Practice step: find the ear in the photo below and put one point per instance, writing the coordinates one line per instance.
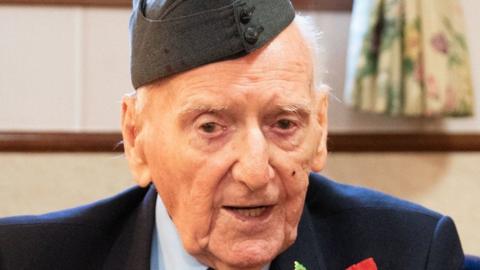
(132, 143)
(320, 156)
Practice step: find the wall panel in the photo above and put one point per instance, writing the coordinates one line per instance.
(39, 67)
(106, 67)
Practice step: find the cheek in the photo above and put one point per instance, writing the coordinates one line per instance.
(194, 183)
(295, 190)
(293, 169)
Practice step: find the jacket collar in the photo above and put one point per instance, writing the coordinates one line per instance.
(304, 249)
(132, 243)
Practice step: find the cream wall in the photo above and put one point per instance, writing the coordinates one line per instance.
(62, 68)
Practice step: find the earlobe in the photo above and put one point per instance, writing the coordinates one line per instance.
(132, 142)
(320, 155)
(320, 158)
(144, 179)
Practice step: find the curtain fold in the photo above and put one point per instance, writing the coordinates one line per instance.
(409, 58)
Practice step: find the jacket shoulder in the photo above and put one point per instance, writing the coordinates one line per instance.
(84, 233)
(95, 214)
(353, 223)
(328, 197)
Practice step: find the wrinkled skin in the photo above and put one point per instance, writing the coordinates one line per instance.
(237, 133)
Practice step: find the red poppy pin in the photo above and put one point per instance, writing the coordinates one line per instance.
(368, 264)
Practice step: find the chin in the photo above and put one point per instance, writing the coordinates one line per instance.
(245, 262)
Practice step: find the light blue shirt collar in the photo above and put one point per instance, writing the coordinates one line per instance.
(167, 248)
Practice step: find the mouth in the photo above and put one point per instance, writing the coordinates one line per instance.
(249, 212)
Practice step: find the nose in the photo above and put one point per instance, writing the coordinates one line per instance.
(253, 167)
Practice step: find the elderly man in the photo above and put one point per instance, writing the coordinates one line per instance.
(227, 125)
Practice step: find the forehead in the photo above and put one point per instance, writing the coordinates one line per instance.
(281, 68)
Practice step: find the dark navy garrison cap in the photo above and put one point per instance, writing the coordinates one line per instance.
(171, 36)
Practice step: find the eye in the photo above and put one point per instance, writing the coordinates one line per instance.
(208, 127)
(211, 129)
(285, 124)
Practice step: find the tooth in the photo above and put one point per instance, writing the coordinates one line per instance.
(253, 212)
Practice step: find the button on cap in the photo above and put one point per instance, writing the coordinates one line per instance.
(252, 33)
(246, 14)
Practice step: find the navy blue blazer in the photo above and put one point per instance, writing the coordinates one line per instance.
(341, 225)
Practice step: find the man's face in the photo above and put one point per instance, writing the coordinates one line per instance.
(229, 147)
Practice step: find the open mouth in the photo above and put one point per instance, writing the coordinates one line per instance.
(250, 211)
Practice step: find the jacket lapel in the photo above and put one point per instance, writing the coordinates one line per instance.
(132, 244)
(304, 250)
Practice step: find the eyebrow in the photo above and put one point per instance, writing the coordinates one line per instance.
(297, 108)
(301, 108)
(197, 106)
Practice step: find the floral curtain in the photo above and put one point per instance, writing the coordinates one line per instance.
(409, 58)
